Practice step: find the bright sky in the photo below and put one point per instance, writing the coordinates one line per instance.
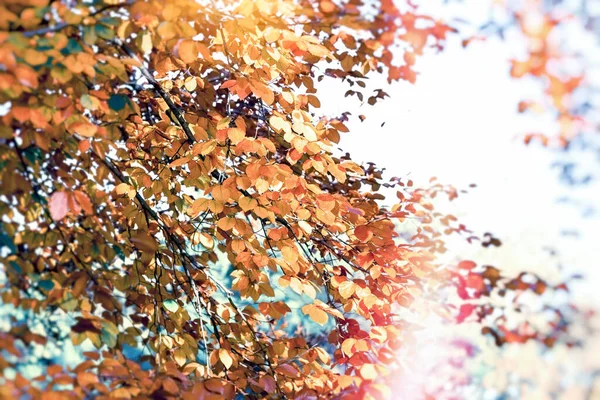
(459, 122)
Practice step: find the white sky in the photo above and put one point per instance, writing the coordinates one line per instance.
(459, 122)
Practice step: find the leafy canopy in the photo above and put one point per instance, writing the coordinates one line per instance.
(169, 186)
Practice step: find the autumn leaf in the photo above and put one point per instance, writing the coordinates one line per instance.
(186, 50)
(267, 382)
(235, 135)
(368, 371)
(144, 242)
(83, 128)
(315, 313)
(226, 358)
(84, 201)
(247, 203)
(206, 196)
(59, 206)
(346, 289)
(363, 233)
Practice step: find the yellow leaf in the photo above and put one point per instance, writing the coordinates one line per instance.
(315, 313)
(261, 185)
(206, 240)
(146, 42)
(310, 133)
(344, 381)
(199, 205)
(123, 188)
(236, 135)
(191, 367)
(280, 124)
(296, 285)
(288, 96)
(347, 346)
(309, 290)
(305, 227)
(271, 35)
(226, 358)
(347, 289)
(368, 371)
(190, 85)
(317, 50)
(338, 172)
(290, 254)
(167, 30)
(204, 148)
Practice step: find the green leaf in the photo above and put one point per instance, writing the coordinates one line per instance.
(32, 154)
(72, 47)
(16, 267)
(7, 241)
(108, 334)
(170, 305)
(117, 102)
(119, 252)
(104, 32)
(46, 284)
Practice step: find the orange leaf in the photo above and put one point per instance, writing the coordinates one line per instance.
(84, 201)
(83, 128)
(226, 223)
(220, 194)
(236, 135)
(247, 203)
(186, 50)
(327, 6)
(363, 233)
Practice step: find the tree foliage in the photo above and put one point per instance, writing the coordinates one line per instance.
(151, 146)
(550, 59)
(168, 184)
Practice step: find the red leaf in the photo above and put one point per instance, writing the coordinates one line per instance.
(475, 282)
(59, 205)
(466, 264)
(464, 312)
(268, 383)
